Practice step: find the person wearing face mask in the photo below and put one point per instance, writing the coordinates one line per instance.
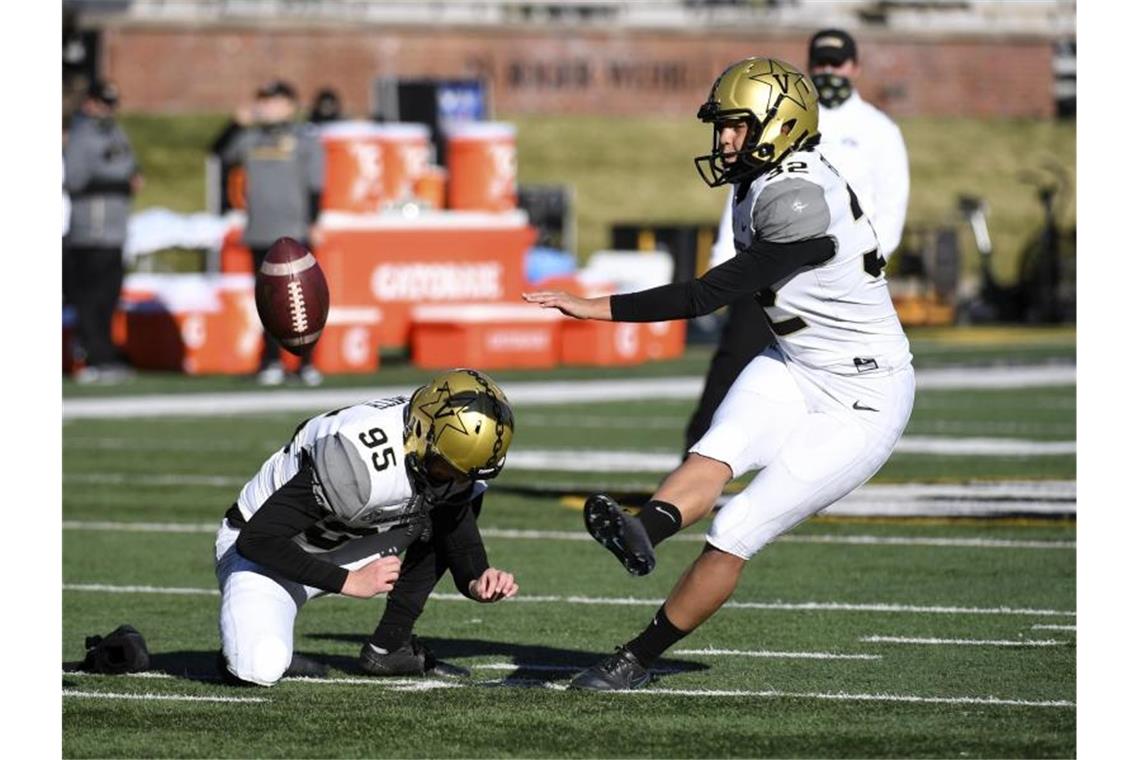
(868, 150)
(284, 168)
(101, 175)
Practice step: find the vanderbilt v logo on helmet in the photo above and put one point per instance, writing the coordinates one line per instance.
(779, 104)
(458, 429)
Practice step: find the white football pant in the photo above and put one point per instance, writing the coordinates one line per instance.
(815, 437)
(258, 606)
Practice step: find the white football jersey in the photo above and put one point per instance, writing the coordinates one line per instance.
(836, 316)
(358, 455)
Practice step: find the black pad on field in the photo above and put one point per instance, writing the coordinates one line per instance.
(123, 650)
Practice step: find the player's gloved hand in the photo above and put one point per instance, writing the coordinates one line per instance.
(571, 305)
(377, 577)
(493, 585)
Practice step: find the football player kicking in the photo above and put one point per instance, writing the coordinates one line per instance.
(330, 512)
(818, 413)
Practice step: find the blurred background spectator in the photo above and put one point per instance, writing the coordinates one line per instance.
(100, 176)
(326, 107)
(284, 174)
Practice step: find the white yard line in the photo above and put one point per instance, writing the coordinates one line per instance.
(846, 697)
(976, 498)
(963, 642)
(712, 652)
(423, 685)
(409, 684)
(162, 697)
(582, 536)
(521, 393)
(635, 602)
(1040, 627)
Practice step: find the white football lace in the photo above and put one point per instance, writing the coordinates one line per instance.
(297, 307)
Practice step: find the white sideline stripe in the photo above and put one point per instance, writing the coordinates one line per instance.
(521, 393)
(711, 652)
(548, 668)
(1040, 627)
(845, 697)
(405, 684)
(634, 602)
(1012, 447)
(963, 642)
(565, 535)
(163, 697)
(402, 684)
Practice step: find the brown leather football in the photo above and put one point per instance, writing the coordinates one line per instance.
(292, 296)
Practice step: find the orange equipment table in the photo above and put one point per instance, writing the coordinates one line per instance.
(488, 336)
(393, 262)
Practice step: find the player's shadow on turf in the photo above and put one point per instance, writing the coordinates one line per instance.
(525, 663)
(194, 666)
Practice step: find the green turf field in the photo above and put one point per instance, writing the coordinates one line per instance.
(847, 638)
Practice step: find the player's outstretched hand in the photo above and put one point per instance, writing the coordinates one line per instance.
(572, 306)
(493, 585)
(377, 577)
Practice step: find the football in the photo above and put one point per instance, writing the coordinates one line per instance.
(292, 295)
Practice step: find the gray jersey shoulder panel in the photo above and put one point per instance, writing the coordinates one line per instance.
(789, 210)
(343, 476)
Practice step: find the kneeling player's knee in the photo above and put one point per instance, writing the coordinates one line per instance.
(263, 664)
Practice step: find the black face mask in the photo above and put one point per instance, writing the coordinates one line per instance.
(834, 90)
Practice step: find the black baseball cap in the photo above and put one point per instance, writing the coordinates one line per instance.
(103, 91)
(833, 46)
(277, 88)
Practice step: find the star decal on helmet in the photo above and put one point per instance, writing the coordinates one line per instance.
(446, 406)
(789, 82)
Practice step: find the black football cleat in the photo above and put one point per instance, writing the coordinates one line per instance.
(621, 671)
(621, 533)
(412, 659)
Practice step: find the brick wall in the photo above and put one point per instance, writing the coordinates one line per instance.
(181, 69)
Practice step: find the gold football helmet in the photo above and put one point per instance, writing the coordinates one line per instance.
(779, 104)
(457, 430)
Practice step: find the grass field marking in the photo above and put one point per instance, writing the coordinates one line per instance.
(713, 652)
(141, 527)
(554, 668)
(170, 479)
(521, 393)
(415, 684)
(1010, 447)
(139, 589)
(967, 543)
(846, 697)
(406, 684)
(964, 642)
(566, 535)
(164, 697)
(636, 602)
(1042, 627)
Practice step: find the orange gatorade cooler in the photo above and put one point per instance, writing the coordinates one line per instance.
(350, 342)
(406, 155)
(354, 167)
(430, 188)
(482, 166)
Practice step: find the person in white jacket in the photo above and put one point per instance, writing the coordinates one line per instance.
(868, 150)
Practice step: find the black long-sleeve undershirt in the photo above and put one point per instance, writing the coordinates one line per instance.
(267, 539)
(758, 267)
